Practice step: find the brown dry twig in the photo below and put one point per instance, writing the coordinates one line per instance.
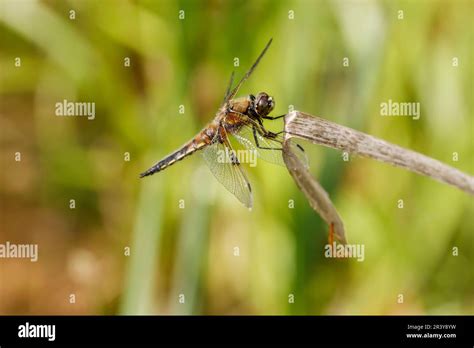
(323, 132)
(314, 192)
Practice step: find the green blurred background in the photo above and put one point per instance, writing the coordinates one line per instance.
(192, 251)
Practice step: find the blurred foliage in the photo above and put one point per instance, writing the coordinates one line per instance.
(191, 251)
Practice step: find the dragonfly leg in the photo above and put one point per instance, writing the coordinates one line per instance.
(267, 135)
(264, 132)
(273, 117)
(257, 124)
(280, 132)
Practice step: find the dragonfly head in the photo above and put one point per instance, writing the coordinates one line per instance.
(264, 104)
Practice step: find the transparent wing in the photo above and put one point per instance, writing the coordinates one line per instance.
(268, 149)
(234, 91)
(227, 170)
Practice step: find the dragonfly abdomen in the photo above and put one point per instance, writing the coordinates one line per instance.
(187, 149)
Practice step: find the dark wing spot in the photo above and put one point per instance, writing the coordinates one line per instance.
(300, 147)
(233, 158)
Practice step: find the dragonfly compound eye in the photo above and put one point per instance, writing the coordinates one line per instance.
(264, 104)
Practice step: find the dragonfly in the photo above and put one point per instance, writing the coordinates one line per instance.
(242, 118)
